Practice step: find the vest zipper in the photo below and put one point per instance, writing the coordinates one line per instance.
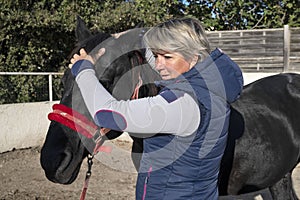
(146, 182)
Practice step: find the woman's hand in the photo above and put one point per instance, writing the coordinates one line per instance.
(84, 56)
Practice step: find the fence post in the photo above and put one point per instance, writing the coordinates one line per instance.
(50, 88)
(286, 47)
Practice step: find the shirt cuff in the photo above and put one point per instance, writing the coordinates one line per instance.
(81, 65)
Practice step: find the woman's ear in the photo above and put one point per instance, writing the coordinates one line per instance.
(194, 61)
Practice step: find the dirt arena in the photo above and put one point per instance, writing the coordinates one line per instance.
(23, 178)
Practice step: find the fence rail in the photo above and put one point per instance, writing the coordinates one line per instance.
(264, 50)
(49, 74)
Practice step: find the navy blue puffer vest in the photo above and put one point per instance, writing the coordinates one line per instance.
(174, 167)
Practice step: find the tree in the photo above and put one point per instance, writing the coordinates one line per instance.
(37, 36)
(33, 39)
(279, 13)
(253, 14)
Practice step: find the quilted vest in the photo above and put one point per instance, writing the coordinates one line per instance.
(175, 167)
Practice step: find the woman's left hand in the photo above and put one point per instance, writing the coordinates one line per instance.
(84, 56)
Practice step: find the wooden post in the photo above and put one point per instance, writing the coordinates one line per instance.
(50, 88)
(286, 45)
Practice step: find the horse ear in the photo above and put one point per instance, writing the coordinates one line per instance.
(82, 32)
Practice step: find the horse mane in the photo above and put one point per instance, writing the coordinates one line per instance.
(89, 43)
(108, 75)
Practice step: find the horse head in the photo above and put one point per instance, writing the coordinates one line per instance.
(119, 70)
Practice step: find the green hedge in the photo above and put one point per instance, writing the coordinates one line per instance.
(37, 36)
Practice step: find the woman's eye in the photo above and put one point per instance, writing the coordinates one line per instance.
(162, 55)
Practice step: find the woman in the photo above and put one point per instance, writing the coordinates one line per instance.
(188, 118)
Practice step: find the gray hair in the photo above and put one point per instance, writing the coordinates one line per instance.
(184, 35)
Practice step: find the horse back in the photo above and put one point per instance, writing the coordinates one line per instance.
(264, 134)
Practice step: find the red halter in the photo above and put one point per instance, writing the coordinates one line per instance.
(79, 123)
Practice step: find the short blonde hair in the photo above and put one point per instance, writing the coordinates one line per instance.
(183, 35)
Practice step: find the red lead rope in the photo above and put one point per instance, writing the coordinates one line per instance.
(87, 177)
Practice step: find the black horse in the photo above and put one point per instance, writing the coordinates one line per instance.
(264, 133)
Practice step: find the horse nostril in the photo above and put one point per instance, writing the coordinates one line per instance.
(50, 163)
(56, 168)
(65, 161)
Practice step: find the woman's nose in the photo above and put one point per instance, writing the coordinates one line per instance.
(159, 62)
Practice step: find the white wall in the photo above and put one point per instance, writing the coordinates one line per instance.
(23, 125)
(253, 76)
(26, 124)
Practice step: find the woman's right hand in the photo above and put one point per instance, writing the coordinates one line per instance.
(84, 56)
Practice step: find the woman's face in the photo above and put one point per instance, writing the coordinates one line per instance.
(171, 64)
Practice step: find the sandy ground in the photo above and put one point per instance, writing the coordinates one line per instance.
(21, 177)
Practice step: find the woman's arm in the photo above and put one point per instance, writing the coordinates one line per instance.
(179, 116)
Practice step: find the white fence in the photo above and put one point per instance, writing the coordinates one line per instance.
(49, 74)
